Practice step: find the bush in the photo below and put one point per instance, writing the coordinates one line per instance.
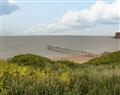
(30, 59)
(110, 58)
(19, 76)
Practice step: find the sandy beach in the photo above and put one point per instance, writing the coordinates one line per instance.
(78, 58)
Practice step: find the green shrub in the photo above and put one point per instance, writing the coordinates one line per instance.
(30, 59)
(19, 76)
(110, 58)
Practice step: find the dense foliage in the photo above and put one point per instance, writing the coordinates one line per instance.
(35, 75)
(30, 59)
(109, 58)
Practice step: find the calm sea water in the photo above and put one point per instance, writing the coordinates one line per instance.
(12, 45)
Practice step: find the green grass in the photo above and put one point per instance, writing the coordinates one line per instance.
(30, 74)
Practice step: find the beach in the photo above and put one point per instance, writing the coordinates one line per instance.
(74, 58)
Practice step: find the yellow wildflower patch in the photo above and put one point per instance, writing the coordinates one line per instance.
(64, 77)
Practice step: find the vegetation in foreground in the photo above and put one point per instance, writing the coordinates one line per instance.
(35, 75)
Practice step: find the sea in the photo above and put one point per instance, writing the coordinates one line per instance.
(14, 45)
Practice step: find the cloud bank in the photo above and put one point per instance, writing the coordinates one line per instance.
(86, 19)
(7, 7)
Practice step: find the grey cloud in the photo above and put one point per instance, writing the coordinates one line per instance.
(7, 7)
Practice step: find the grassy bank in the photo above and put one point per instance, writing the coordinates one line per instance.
(35, 75)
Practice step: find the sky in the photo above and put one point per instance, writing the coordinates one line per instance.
(59, 17)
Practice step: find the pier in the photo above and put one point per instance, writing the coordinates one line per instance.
(70, 51)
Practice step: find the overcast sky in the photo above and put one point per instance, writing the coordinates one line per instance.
(56, 17)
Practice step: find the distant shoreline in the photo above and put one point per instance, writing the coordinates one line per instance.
(56, 36)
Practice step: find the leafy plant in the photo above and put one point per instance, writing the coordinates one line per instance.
(30, 74)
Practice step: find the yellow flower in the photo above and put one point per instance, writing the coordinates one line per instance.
(23, 71)
(64, 77)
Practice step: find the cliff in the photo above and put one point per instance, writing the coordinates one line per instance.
(117, 36)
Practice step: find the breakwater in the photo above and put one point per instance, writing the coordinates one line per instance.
(70, 51)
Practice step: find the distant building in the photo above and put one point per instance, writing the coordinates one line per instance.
(117, 36)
